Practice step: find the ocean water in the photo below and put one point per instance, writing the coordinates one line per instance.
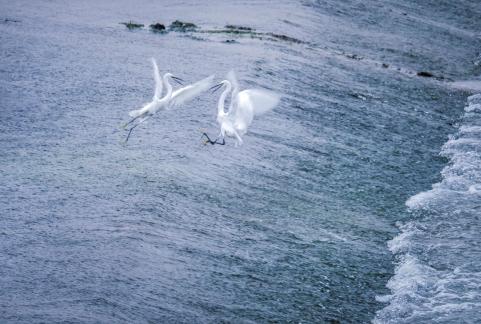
(327, 213)
(438, 273)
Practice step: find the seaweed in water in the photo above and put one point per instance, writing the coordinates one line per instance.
(182, 26)
(425, 74)
(131, 25)
(8, 20)
(285, 38)
(230, 31)
(237, 27)
(354, 56)
(157, 27)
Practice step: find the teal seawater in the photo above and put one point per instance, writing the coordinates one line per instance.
(291, 227)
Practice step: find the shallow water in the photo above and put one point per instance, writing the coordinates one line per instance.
(293, 225)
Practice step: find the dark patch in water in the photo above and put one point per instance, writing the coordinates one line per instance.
(237, 27)
(182, 26)
(285, 38)
(157, 27)
(354, 56)
(229, 31)
(425, 74)
(131, 25)
(255, 35)
(290, 23)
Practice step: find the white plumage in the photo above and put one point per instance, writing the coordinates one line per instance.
(244, 106)
(170, 100)
(187, 93)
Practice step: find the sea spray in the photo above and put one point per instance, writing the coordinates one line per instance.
(438, 270)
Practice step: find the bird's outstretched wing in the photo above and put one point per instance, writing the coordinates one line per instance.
(250, 103)
(261, 101)
(158, 81)
(187, 93)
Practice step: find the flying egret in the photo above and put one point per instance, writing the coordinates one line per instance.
(170, 100)
(243, 107)
(157, 102)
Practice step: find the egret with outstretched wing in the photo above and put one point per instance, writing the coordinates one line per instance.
(245, 105)
(171, 99)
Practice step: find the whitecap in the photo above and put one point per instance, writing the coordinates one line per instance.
(474, 99)
(425, 286)
(475, 189)
(473, 107)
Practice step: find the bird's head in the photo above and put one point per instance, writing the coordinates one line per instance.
(220, 85)
(173, 77)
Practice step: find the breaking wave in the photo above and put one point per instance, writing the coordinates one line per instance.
(438, 252)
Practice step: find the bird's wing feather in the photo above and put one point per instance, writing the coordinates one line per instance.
(158, 81)
(232, 78)
(243, 112)
(185, 94)
(261, 101)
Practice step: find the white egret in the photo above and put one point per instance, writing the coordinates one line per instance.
(244, 106)
(170, 100)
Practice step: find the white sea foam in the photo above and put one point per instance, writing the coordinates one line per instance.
(475, 99)
(474, 107)
(402, 242)
(420, 293)
(469, 129)
(438, 266)
(421, 199)
(470, 85)
(475, 189)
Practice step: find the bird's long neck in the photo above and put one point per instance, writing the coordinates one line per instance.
(232, 99)
(220, 107)
(168, 86)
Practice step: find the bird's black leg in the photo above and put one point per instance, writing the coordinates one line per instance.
(131, 121)
(140, 122)
(130, 132)
(208, 140)
(223, 141)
